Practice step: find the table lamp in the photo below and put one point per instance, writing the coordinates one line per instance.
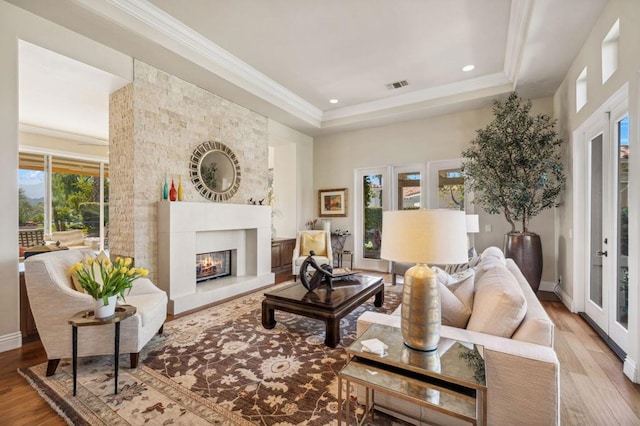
(473, 227)
(424, 237)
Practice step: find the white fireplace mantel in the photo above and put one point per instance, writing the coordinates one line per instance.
(185, 229)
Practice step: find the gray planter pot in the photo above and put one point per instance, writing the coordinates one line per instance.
(526, 252)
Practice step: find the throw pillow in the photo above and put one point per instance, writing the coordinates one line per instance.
(499, 304)
(96, 270)
(459, 267)
(315, 242)
(456, 302)
(493, 252)
(489, 258)
(449, 279)
(456, 297)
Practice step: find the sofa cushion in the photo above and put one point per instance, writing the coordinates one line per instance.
(315, 242)
(499, 304)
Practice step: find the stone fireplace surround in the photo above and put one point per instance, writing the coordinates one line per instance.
(185, 229)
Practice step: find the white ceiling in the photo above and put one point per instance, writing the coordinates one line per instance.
(64, 95)
(286, 58)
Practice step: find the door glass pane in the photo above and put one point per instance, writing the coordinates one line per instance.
(622, 305)
(372, 202)
(595, 284)
(409, 193)
(451, 189)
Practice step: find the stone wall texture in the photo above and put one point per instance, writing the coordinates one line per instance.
(155, 124)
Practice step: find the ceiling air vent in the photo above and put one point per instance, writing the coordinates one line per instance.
(397, 84)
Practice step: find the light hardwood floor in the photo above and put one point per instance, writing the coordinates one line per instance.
(594, 391)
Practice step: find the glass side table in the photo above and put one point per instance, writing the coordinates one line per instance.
(450, 380)
(87, 318)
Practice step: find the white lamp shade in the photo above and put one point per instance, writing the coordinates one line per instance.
(473, 223)
(424, 236)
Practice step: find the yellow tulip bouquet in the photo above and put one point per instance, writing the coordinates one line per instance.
(108, 278)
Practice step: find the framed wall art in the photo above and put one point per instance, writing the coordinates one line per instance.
(332, 202)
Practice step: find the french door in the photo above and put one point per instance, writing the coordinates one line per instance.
(606, 220)
(372, 196)
(379, 189)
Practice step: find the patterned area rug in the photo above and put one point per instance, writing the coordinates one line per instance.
(217, 366)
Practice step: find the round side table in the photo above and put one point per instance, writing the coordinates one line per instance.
(87, 318)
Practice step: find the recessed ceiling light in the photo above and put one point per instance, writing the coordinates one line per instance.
(333, 101)
(468, 68)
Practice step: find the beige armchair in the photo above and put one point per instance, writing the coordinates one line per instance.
(54, 300)
(319, 242)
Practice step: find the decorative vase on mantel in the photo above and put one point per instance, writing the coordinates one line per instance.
(180, 190)
(101, 310)
(172, 192)
(165, 189)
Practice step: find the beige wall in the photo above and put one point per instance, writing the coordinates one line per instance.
(337, 156)
(597, 94)
(293, 172)
(155, 124)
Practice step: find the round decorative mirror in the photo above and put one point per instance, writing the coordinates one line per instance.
(215, 171)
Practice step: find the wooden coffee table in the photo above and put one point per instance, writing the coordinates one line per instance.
(328, 306)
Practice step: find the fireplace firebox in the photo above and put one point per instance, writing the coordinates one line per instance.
(213, 265)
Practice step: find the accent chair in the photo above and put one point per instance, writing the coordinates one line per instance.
(306, 241)
(54, 300)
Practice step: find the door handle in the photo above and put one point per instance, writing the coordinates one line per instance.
(601, 253)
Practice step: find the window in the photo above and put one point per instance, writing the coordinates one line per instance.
(409, 190)
(610, 52)
(581, 90)
(75, 194)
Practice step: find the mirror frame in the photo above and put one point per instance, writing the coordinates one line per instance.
(195, 163)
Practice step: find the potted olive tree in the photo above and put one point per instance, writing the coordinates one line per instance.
(514, 168)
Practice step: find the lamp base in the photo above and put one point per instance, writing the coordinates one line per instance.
(420, 311)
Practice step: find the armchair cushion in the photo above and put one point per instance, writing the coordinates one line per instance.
(314, 242)
(324, 253)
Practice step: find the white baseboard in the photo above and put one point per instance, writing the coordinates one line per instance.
(547, 286)
(10, 341)
(566, 299)
(630, 369)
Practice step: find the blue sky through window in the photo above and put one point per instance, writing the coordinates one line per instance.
(32, 182)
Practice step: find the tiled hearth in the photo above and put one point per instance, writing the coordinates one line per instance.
(186, 229)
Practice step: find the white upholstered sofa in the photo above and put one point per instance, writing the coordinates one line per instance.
(522, 369)
(54, 299)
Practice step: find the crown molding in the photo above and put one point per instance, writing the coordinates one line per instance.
(147, 20)
(519, 20)
(419, 96)
(144, 18)
(28, 128)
